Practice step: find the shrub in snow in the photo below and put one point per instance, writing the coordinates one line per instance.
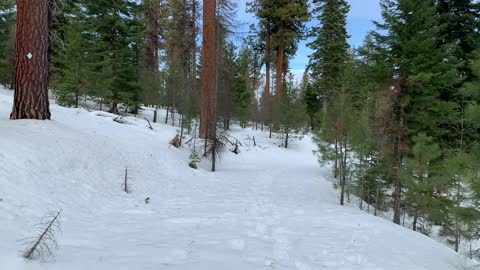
(194, 159)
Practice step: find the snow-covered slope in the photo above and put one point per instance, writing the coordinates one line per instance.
(266, 208)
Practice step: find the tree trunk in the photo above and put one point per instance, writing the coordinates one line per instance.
(279, 74)
(208, 69)
(266, 95)
(457, 242)
(310, 121)
(361, 194)
(286, 138)
(344, 173)
(397, 202)
(193, 71)
(377, 198)
(114, 108)
(32, 61)
(415, 220)
(181, 130)
(151, 59)
(341, 179)
(335, 168)
(166, 117)
(398, 140)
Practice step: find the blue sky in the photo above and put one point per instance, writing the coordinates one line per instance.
(362, 12)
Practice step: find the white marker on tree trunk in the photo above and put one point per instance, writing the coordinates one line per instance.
(29, 55)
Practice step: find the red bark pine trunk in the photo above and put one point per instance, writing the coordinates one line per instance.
(32, 61)
(279, 79)
(208, 69)
(267, 76)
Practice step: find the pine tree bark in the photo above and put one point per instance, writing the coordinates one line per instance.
(32, 61)
(279, 78)
(208, 69)
(151, 58)
(267, 76)
(415, 221)
(398, 138)
(194, 54)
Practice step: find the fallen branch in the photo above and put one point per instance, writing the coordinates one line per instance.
(41, 246)
(190, 140)
(118, 119)
(149, 125)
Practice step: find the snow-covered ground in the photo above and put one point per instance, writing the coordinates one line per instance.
(266, 208)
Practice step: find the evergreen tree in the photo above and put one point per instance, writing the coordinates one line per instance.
(419, 71)
(227, 82)
(420, 181)
(7, 37)
(327, 63)
(69, 65)
(329, 66)
(244, 85)
(289, 17)
(462, 216)
(283, 25)
(97, 53)
(288, 112)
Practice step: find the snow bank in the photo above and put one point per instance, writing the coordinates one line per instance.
(266, 208)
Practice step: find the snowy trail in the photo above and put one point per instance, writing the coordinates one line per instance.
(225, 224)
(266, 208)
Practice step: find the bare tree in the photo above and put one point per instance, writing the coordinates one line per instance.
(40, 247)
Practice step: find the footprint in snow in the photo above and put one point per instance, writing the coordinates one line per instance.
(238, 244)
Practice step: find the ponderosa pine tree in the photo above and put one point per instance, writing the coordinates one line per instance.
(208, 69)
(263, 10)
(289, 17)
(282, 25)
(32, 61)
(150, 61)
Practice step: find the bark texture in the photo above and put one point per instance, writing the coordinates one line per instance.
(280, 60)
(32, 61)
(208, 69)
(150, 52)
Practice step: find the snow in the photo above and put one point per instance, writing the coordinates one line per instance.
(266, 208)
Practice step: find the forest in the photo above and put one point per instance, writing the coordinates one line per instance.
(397, 119)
